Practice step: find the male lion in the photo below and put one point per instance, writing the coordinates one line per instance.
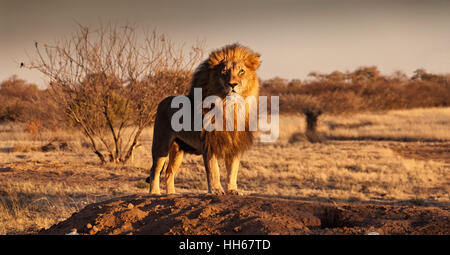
(230, 70)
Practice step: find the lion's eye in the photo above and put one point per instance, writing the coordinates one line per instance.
(241, 72)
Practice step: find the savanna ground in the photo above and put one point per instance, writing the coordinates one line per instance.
(392, 158)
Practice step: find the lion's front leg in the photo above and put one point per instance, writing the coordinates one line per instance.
(232, 165)
(212, 174)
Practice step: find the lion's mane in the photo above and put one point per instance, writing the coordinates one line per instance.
(226, 144)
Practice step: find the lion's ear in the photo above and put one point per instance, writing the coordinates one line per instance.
(253, 61)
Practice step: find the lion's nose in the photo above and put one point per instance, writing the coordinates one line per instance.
(232, 85)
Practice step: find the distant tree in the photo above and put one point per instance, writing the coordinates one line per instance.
(335, 76)
(365, 74)
(275, 82)
(316, 75)
(19, 88)
(419, 74)
(423, 75)
(398, 76)
(364, 89)
(18, 98)
(294, 83)
(310, 107)
(109, 79)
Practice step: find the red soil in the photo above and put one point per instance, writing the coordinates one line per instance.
(208, 214)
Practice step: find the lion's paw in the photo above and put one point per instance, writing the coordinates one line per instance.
(233, 192)
(217, 192)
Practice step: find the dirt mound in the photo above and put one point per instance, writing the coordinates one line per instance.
(208, 214)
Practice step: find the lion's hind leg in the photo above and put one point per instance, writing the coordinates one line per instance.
(155, 171)
(175, 159)
(160, 152)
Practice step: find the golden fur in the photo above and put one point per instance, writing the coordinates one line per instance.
(230, 70)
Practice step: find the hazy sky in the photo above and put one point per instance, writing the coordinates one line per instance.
(293, 37)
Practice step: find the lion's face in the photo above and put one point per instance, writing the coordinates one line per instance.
(233, 77)
(233, 71)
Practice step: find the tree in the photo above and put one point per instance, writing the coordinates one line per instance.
(423, 75)
(275, 82)
(310, 107)
(18, 99)
(109, 81)
(398, 76)
(295, 83)
(335, 76)
(364, 75)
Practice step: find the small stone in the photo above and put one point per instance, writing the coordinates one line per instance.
(130, 206)
(93, 230)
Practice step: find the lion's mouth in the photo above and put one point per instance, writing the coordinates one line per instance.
(232, 92)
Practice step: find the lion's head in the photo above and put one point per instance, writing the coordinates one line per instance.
(229, 70)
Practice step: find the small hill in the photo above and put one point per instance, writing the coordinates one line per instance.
(209, 214)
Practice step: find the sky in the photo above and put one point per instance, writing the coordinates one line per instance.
(294, 37)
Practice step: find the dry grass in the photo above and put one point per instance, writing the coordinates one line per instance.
(38, 189)
(358, 171)
(422, 124)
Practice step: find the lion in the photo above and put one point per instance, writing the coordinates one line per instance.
(230, 70)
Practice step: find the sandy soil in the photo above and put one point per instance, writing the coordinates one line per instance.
(207, 214)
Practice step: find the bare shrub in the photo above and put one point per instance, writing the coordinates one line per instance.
(363, 90)
(109, 79)
(17, 99)
(23, 102)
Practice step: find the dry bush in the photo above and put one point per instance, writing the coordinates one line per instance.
(23, 102)
(18, 99)
(108, 79)
(364, 90)
(276, 81)
(33, 128)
